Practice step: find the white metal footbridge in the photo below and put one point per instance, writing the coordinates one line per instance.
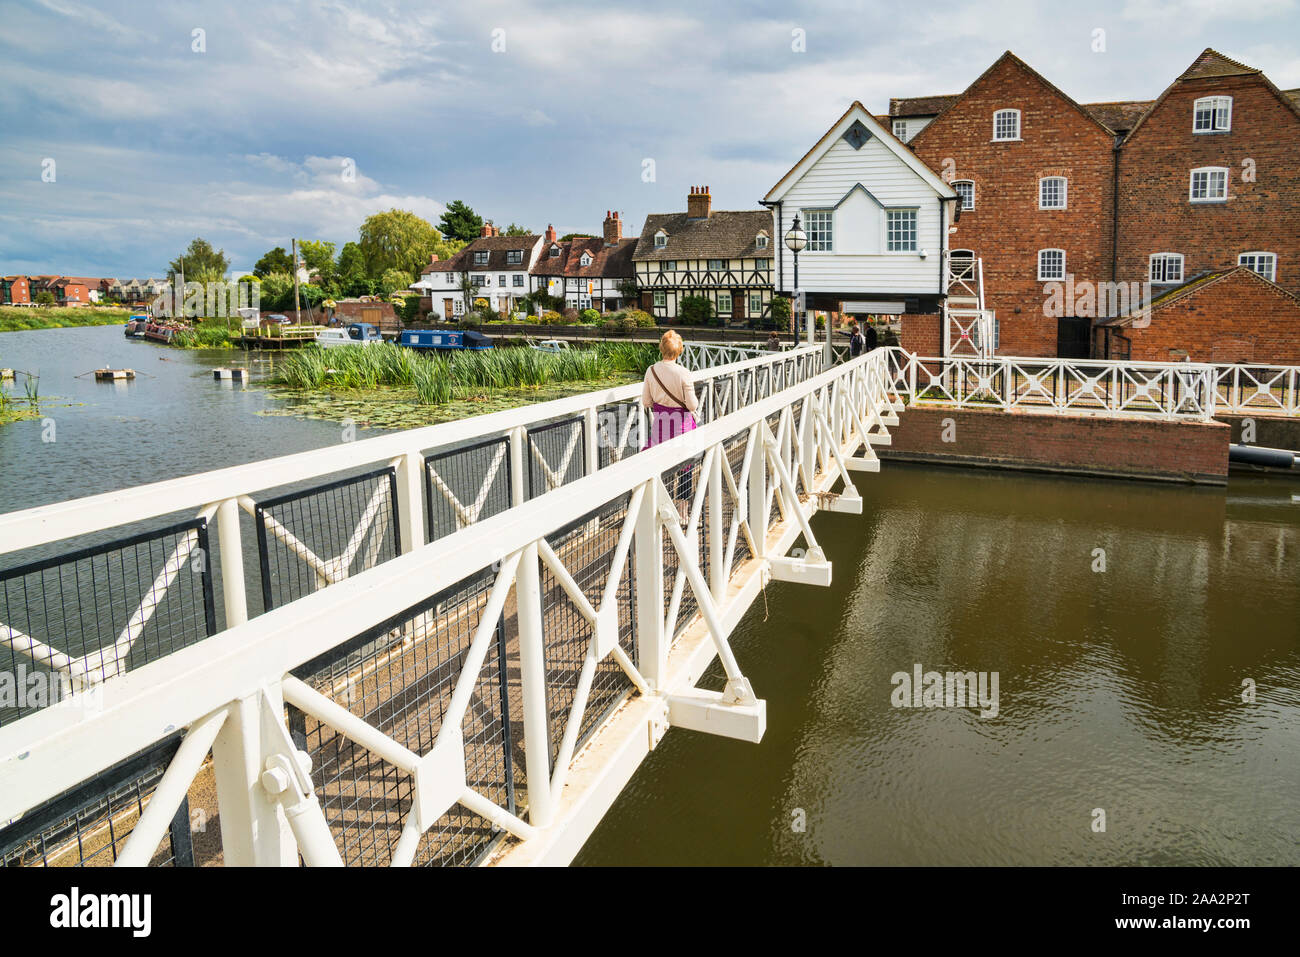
(453, 644)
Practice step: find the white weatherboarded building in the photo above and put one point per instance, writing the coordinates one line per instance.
(877, 221)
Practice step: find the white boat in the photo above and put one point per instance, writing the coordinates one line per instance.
(355, 334)
(551, 345)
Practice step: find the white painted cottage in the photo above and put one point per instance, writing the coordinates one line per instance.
(877, 221)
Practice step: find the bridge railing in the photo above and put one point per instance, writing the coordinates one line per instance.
(371, 609)
(1166, 390)
(1250, 389)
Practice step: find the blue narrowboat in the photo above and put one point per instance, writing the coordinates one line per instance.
(445, 339)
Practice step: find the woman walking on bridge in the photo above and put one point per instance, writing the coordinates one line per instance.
(670, 395)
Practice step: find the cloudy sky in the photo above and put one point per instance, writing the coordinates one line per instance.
(530, 112)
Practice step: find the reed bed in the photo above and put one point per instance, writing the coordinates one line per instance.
(438, 379)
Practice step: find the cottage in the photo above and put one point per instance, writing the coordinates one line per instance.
(498, 268)
(587, 273)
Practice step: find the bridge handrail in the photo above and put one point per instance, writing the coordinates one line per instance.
(232, 686)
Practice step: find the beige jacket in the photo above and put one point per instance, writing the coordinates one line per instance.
(678, 381)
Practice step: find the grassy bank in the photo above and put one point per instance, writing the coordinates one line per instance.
(207, 334)
(396, 388)
(16, 318)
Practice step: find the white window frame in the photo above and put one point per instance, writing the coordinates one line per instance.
(661, 240)
(1043, 278)
(1065, 191)
(1209, 172)
(915, 230)
(458, 306)
(731, 305)
(1166, 260)
(514, 257)
(661, 300)
(720, 267)
(821, 235)
(1006, 139)
(555, 252)
(1219, 110)
(762, 262)
(755, 304)
(480, 257)
(899, 129)
(965, 182)
(586, 259)
(1256, 255)
(760, 242)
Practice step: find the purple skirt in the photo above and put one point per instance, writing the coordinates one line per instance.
(668, 422)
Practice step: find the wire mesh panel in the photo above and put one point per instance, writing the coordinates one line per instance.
(68, 621)
(735, 448)
(309, 539)
(774, 510)
(618, 432)
(556, 455)
(586, 548)
(683, 483)
(88, 825)
(466, 485)
(399, 677)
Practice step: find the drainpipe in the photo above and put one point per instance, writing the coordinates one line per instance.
(1114, 213)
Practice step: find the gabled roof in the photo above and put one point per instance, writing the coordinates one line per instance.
(495, 246)
(1121, 116)
(1210, 65)
(1193, 287)
(607, 262)
(1053, 88)
(857, 113)
(921, 105)
(725, 234)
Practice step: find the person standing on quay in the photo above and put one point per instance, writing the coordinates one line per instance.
(856, 342)
(670, 395)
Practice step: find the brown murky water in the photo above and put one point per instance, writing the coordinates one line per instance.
(1118, 690)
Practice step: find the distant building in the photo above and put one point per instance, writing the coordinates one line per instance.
(15, 291)
(724, 256)
(497, 265)
(587, 273)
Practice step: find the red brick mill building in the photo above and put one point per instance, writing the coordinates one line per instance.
(1154, 195)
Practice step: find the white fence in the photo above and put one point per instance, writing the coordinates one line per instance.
(619, 581)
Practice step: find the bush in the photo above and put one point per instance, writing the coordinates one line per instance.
(779, 315)
(589, 315)
(551, 318)
(44, 298)
(569, 316)
(471, 319)
(640, 319)
(695, 311)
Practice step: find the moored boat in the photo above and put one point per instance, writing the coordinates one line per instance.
(444, 339)
(354, 334)
(134, 328)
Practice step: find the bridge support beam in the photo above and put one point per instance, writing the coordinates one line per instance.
(707, 711)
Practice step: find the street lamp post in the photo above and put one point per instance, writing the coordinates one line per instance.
(795, 240)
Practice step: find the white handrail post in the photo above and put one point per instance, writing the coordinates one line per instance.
(232, 563)
(591, 451)
(648, 557)
(410, 500)
(254, 831)
(518, 439)
(757, 492)
(717, 543)
(532, 672)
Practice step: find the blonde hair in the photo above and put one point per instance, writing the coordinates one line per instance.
(670, 345)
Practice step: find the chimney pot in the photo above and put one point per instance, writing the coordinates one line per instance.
(698, 203)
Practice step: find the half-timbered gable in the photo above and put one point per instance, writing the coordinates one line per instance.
(586, 273)
(724, 256)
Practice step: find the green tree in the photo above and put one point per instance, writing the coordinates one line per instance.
(45, 298)
(200, 262)
(695, 311)
(780, 313)
(277, 291)
(397, 239)
(513, 230)
(318, 256)
(627, 288)
(393, 280)
(460, 222)
(277, 260)
(351, 265)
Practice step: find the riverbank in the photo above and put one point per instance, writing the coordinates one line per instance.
(19, 318)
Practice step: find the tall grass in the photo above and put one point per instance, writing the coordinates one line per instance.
(206, 335)
(441, 378)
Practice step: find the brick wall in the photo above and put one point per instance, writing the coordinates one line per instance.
(1006, 228)
(1239, 318)
(1155, 214)
(1091, 445)
(921, 335)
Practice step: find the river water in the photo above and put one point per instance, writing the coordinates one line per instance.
(1119, 690)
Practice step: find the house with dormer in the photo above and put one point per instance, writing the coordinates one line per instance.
(587, 273)
(497, 266)
(722, 255)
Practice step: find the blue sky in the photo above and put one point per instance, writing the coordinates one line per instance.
(244, 143)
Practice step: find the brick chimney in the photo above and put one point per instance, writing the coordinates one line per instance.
(433, 257)
(488, 229)
(698, 203)
(550, 233)
(613, 228)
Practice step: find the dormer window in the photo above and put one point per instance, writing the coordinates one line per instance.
(1006, 125)
(555, 251)
(514, 257)
(661, 239)
(480, 258)
(586, 259)
(1212, 114)
(760, 241)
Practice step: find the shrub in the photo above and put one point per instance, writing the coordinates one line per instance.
(471, 319)
(695, 311)
(779, 317)
(480, 303)
(640, 319)
(551, 318)
(589, 315)
(44, 298)
(569, 316)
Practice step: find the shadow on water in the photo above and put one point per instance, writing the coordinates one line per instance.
(1118, 689)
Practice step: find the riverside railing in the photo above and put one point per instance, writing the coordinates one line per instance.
(1167, 390)
(410, 626)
